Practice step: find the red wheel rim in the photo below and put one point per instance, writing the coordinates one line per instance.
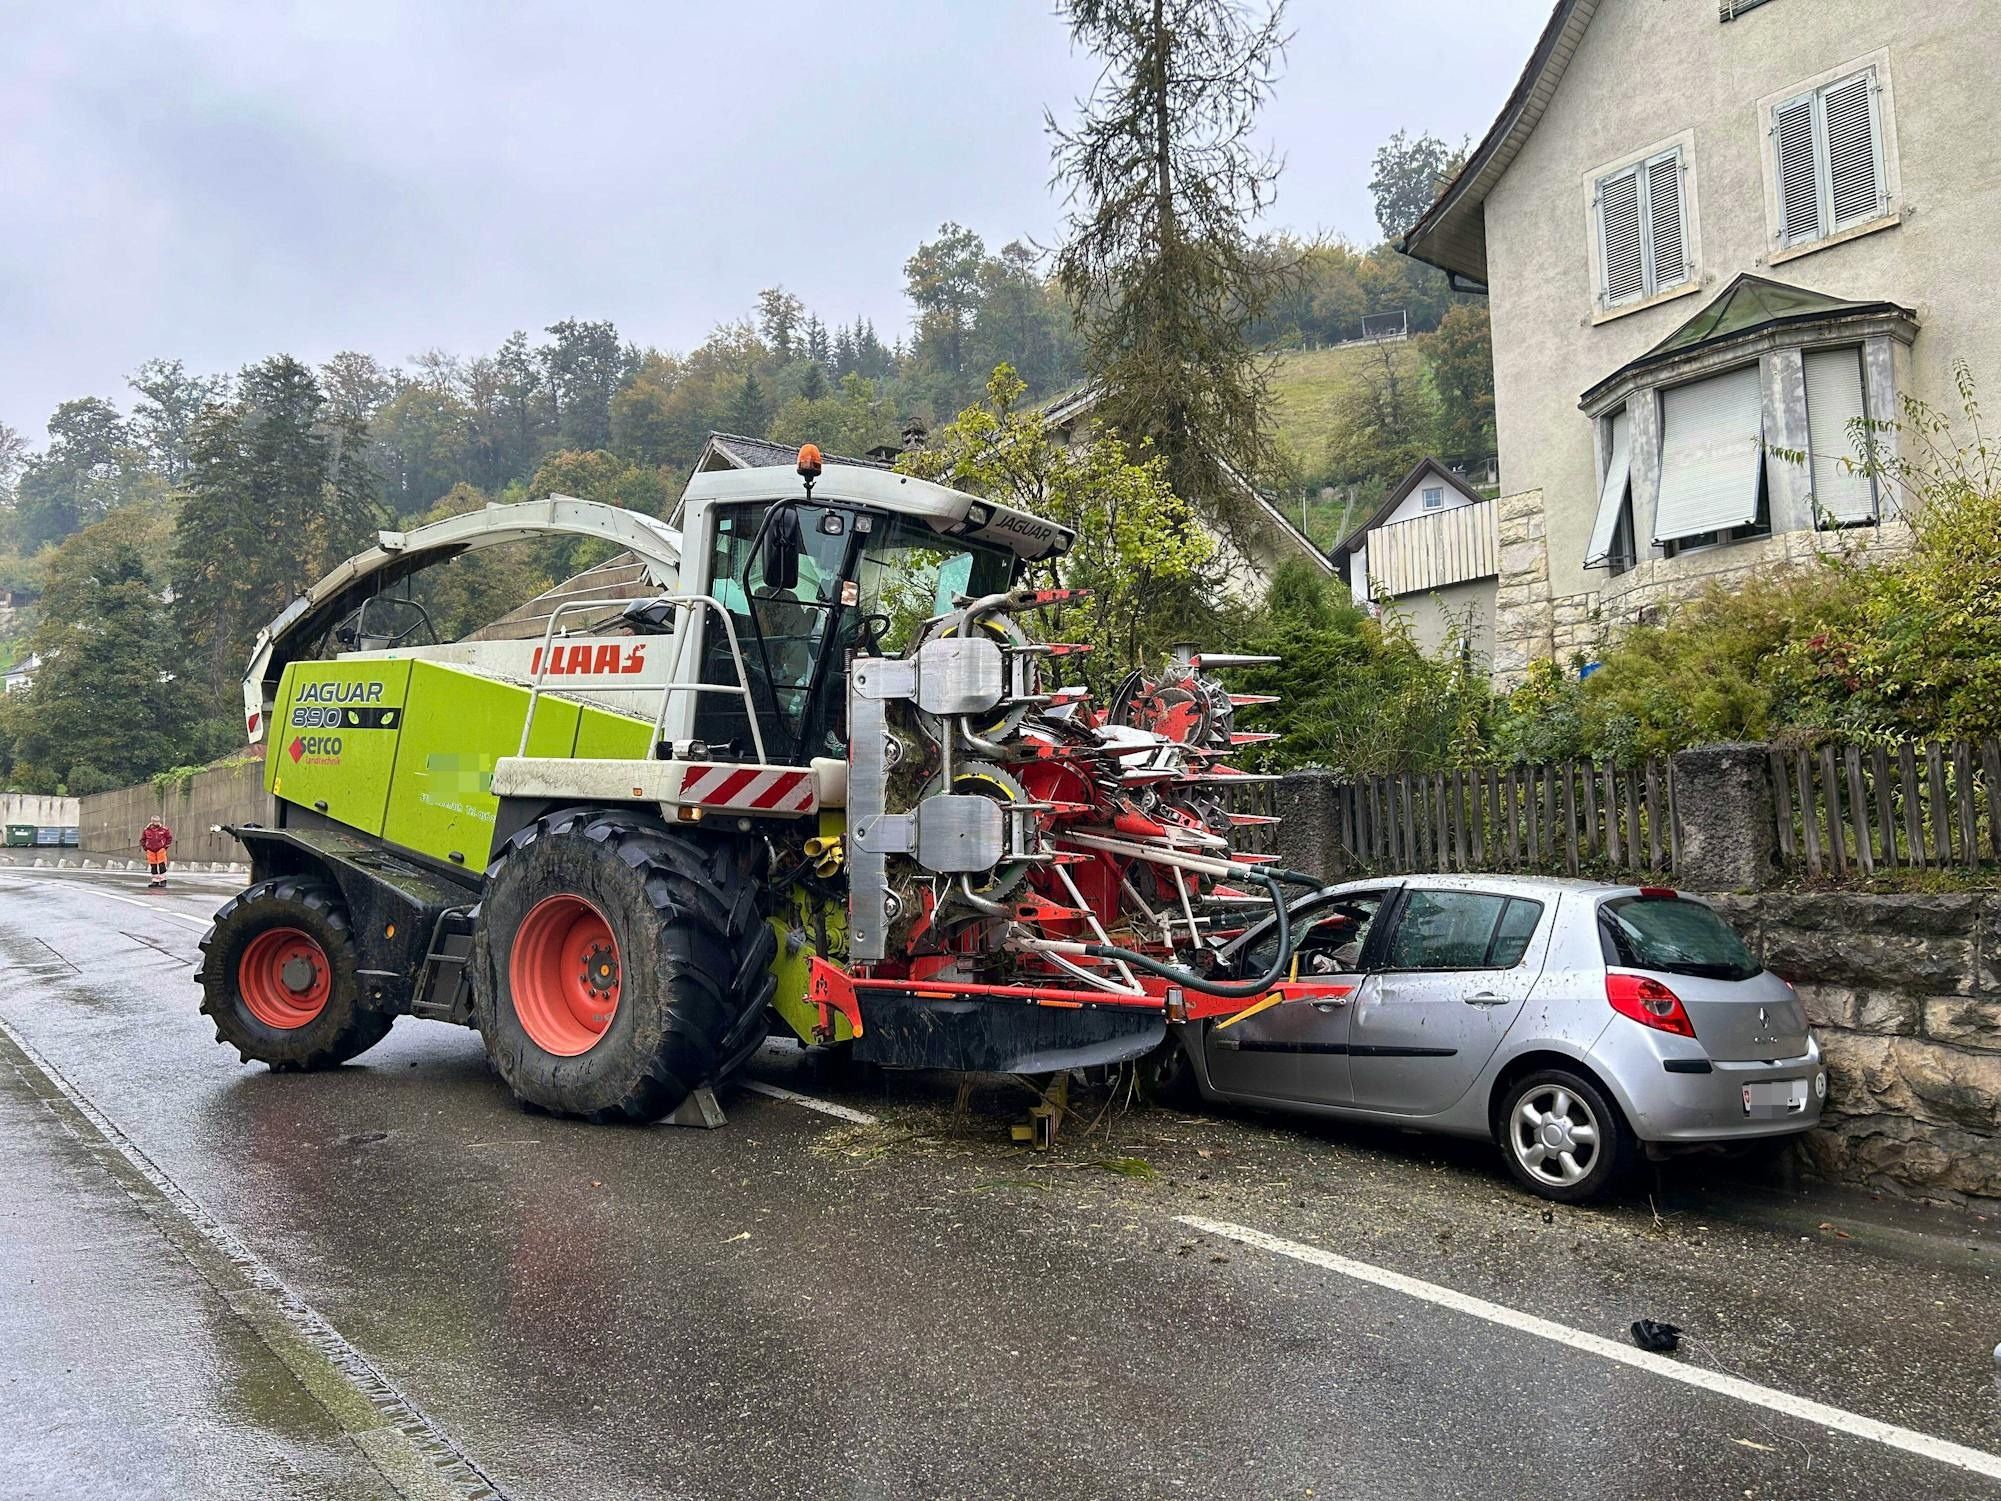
(564, 974)
(284, 978)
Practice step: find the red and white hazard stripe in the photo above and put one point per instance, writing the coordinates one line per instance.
(748, 789)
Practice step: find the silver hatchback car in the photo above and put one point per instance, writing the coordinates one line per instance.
(1570, 1022)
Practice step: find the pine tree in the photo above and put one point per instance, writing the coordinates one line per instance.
(749, 412)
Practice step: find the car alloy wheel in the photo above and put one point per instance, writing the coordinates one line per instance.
(1554, 1136)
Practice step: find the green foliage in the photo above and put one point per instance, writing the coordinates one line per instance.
(1459, 359)
(1356, 694)
(1139, 549)
(943, 280)
(1158, 259)
(1383, 423)
(91, 466)
(276, 493)
(851, 418)
(1409, 173)
(105, 708)
(475, 589)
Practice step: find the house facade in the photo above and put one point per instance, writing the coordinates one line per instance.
(1714, 234)
(1431, 552)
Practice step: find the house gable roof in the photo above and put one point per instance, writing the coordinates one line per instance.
(735, 451)
(1452, 234)
(1405, 487)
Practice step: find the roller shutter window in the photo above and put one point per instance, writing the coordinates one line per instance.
(1612, 494)
(1712, 455)
(1829, 149)
(1642, 230)
(1834, 400)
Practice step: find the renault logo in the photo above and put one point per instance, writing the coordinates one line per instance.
(1763, 1019)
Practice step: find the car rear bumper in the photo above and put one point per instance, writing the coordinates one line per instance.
(1672, 1092)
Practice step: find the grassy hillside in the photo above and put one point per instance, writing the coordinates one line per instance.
(1307, 388)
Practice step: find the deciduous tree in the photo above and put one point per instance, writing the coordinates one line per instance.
(1409, 172)
(1147, 566)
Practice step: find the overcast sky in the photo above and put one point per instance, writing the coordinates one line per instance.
(222, 182)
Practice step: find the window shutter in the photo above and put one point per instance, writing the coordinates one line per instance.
(1854, 168)
(1833, 400)
(1665, 222)
(1799, 181)
(1712, 452)
(1612, 494)
(1619, 237)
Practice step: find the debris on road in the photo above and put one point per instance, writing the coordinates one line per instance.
(1660, 1338)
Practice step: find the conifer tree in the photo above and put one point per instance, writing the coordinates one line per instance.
(1159, 261)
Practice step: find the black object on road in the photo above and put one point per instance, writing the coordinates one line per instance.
(1662, 1339)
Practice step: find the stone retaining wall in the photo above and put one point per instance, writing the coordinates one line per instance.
(228, 794)
(1904, 992)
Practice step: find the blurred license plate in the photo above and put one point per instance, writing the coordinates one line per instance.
(1775, 1097)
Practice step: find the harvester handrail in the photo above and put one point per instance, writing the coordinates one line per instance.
(684, 605)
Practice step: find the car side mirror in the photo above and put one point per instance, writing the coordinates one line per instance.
(781, 549)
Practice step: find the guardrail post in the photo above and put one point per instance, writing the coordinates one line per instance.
(1729, 833)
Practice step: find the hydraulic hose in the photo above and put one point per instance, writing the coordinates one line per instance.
(1228, 989)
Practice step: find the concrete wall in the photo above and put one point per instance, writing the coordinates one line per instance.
(111, 821)
(1433, 617)
(37, 808)
(1648, 70)
(1905, 995)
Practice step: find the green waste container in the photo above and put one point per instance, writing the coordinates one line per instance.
(20, 835)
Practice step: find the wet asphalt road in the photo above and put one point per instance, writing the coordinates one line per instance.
(799, 1305)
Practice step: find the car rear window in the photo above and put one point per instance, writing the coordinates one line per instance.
(1675, 936)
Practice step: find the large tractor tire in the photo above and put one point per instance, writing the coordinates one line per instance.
(278, 978)
(619, 965)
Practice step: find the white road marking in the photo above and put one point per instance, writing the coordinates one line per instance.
(1979, 1461)
(133, 901)
(825, 1107)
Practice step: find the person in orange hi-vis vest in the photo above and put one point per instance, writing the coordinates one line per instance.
(156, 841)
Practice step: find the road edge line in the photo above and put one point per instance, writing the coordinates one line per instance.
(825, 1107)
(1840, 1420)
(132, 901)
(404, 1444)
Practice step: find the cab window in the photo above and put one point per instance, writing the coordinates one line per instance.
(779, 631)
(909, 574)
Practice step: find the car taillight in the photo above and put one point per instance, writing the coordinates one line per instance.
(1648, 1002)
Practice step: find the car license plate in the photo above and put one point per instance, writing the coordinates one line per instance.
(1771, 1098)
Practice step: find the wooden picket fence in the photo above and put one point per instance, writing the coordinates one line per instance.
(1572, 817)
(1919, 805)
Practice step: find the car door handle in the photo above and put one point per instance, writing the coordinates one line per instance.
(1486, 998)
(1332, 1004)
